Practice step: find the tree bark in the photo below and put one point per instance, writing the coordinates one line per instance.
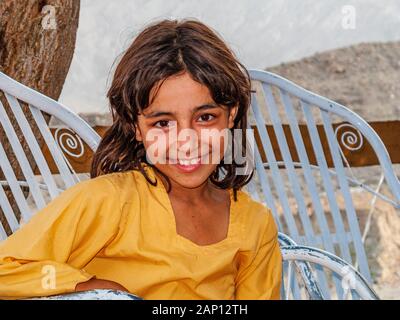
(37, 42)
(34, 48)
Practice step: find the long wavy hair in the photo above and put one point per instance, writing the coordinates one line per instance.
(163, 49)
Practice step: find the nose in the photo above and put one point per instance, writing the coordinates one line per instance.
(187, 142)
(184, 142)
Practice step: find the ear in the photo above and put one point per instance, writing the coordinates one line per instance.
(232, 116)
(138, 133)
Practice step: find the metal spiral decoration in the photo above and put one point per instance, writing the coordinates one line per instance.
(69, 142)
(350, 137)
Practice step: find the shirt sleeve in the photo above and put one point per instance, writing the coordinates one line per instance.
(260, 271)
(47, 255)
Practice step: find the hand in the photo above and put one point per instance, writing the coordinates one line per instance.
(99, 284)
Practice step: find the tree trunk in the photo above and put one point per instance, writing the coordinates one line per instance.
(37, 41)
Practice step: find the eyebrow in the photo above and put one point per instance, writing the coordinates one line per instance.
(210, 105)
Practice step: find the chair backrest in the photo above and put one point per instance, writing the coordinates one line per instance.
(18, 103)
(309, 192)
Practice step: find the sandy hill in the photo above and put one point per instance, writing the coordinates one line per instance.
(365, 77)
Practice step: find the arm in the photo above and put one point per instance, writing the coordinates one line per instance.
(260, 272)
(95, 283)
(47, 255)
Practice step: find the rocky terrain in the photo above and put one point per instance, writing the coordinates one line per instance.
(363, 77)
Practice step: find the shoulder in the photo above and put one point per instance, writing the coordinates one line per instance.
(94, 188)
(258, 223)
(109, 184)
(253, 211)
(88, 200)
(101, 191)
(127, 187)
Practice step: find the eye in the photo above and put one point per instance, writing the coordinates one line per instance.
(163, 124)
(206, 117)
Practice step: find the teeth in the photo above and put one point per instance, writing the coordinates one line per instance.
(184, 162)
(189, 162)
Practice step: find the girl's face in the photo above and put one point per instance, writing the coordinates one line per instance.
(184, 132)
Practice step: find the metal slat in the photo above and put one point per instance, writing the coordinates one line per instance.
(22, 159)
(293, 178)
(34, 146)
(274, 170)
(8, 212)
(292, 175)
(326, 179)
(14, 185)
(310, 181)
(305, 165)
(264, 181)
(344, 187)
(53, 147)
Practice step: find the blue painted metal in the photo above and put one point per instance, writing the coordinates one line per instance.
(356, 284)
(312, 287)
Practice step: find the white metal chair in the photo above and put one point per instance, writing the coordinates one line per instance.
(76, 130)
(17, 95)
(295, 190)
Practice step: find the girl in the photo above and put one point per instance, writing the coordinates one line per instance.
(175, 228)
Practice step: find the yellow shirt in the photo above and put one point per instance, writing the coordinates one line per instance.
(121, 228)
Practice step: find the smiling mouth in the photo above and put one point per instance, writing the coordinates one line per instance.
(188, 165)
(188, 162)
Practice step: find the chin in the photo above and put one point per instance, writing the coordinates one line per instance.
(189, 177)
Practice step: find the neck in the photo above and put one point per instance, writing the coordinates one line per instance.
(194, 195)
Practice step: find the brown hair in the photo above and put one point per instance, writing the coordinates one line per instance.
(163, 49)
